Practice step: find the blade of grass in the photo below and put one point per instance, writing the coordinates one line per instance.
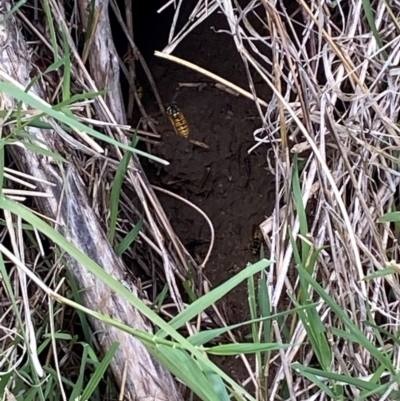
(264, 306)
(147, 339)
(13, 10)
(99, 372)
(78, 385)
(33, 102)
(116, 189)
(254, 314)
(301, 212)
(361, 339)
(129, 238)
(341, 380)
(192, 375)
(66, 77)
(1, 166)
(369, 13)
(206, 336)
(217, 384)
(38, 150)
(245, 348)
(50, 22)
(33, 377)
(390, 217)
(76, 295)
(314, 378)
(213, 296)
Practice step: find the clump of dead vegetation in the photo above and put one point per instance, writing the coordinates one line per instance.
(330, 135)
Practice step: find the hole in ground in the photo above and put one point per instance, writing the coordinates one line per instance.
(232, 187)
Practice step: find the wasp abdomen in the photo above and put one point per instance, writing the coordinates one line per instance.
(178, 121)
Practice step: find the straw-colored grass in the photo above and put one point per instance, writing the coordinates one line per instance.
(332, 70)
(330, 134)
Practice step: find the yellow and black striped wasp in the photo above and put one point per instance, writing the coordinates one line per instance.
(257, 240)
(178, 121)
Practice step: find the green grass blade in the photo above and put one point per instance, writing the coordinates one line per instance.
(217, 384)
(381, 390)
(301, 212)
(253, 307)
(213, 296)
(390, 217)
(5, 382)
(50, 22)
(245, 348)
(39, 150)
(204, 337)
(13, 10)
(30, 100)
(1, 166)
(314, 378)
(63, 106)
(120, 290)
(129, 238)
(369, 13)
(254, 314)
(99, 372)
(361, 339)
(381, 273)
(66, 78)
(76, 295)
(160, 300)
(316, 375)
(316, 334)
(182, 365)
(116, 190)
(264, 306)
(78, 385)
(53, 67)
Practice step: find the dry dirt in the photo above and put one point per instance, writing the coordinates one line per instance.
(238, 191)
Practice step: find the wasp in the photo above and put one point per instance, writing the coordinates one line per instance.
(139, 89)
(178, 121)
(257, 240)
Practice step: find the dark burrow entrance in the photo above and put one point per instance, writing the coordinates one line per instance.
(231, 186)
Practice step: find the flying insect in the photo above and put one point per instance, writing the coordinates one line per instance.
(178, 121)
(139, 89)
(257, 240)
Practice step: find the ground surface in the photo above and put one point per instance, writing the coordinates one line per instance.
(238, 191)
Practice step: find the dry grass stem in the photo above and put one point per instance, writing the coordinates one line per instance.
(335, 104)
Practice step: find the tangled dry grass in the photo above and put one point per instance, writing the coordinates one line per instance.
(333, 70)
(330, 135)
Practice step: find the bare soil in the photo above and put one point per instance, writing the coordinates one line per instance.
(238, 191)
